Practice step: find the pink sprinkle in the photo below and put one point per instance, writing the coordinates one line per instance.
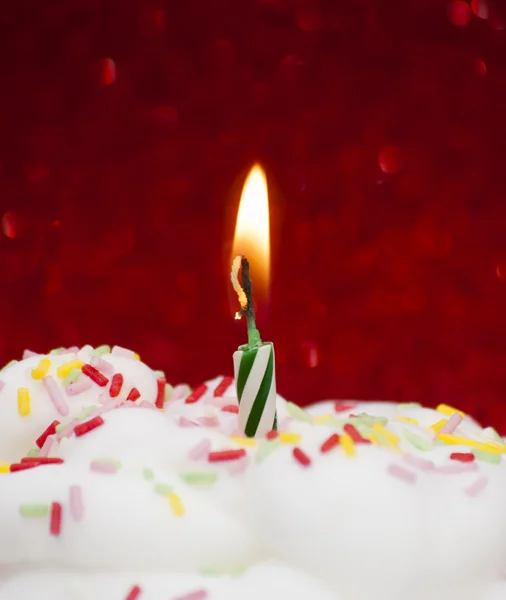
(196, 595)
(102, 365)
(419, 463)
(46, 447)
(184, 422)
(180, 391)
(103, 467)
(208, 421)
(119, 351)
(2, 384)
(145, 404)
(453, 422)
(477, 487)
(81, 385)
(220, 401)
(402, 473)
(68, 430)
(284, 423)
(236, 467)
(55, 395)
(76, 502)
(29, 354)
(201, 450)
(457, 467)
(71, 350)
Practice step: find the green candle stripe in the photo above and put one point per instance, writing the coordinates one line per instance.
(34, 510)
(247, 360)
(260, 399)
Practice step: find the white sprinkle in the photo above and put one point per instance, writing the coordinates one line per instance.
(477, 487)
(119, 351)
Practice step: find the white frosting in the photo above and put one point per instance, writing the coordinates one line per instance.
(391, 522)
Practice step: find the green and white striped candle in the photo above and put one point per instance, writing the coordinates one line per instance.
(254, 367)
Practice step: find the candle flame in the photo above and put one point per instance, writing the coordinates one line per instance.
(252, 235)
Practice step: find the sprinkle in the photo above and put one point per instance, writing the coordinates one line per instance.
(223, 386)
(238, 466)
(5, 467)
(51, 430)
(285, 437)
(231, 408)
(477, 487)
(34, 510)
(408, 420)
(41, 369)
(104, 349)
(340, 407)
(272, 434)
(243, 441)
(464, 457)
(196, 595)
(116, 385)
(2, 385)
(72, 377)
(85, 412)
(176, 504)
(348, 445)
(99, 466)
(403, 405)
(457, 468)
(41, 460)
(134, 593)
(297, 413)
(134, 394)
(436, 427)
(444, 409)
(95, 375)
(354, 434)
(29, 354)
(488, 457)
(415, 440)
(419, 463)
(70, 350)
(159, 374)
(266, 448)
(200, 450)
(63, 370)
(68, 429)
(55, 395)
(160, 394)
(199, 478)
(81, 385)
(163, 489)
(21, 467)
(384, 432)
(23, 402)
(87, 426)
(55, 521)
(329, 443)
(102, 365)
(323, 419)
(119, 351)
(197, 393)
(46, 447)
(301, 457)
(225, 455)
(148, 474)
(56, 351)
(453, 422)
(76, 502)
(208, 421)
(456, 439)
(184, 422)
(402, 473)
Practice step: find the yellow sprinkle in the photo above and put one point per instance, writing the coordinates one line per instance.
(23, 402)
(41, 369)
(5, 467)
(347, 444)
(176, 504)
(374, 439)
(444, 409)
(388, 435)
(436, 427)
(408, 420)
(136, 356)
(289, 438)
(243, 441)
(323, 419)
(449, 438)
(64, 370)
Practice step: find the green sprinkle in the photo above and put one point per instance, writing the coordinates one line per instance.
(72, 377)
(417, 441)
(298, 413)
(211, 572)
(33, 452)
(237, 571)
(265, 448)
(104, 349)
(62, 425)
(160, 374)
(493, 459)
(56, 351)
(167, 394)
(163, 489)
(108, 461)
(403, 405)
(34, 510)
(10, 364)
(367, 420)
(85, 412)
(148, 474)
(199, 477)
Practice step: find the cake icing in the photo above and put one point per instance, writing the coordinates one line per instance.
(157, 494)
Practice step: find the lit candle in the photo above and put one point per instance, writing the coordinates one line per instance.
(254, 368)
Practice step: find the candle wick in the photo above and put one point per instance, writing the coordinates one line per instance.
(249, 310)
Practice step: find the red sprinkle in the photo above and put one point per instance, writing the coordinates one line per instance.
(272, 434)
(160, 396)
(95, 375)
(21, 467)
(51, 430)
(134, 593)
(226, 455)
(83, 428)
(342, 406)
(301, 457)
(55, 521)
(464, 457)
(231, 408)
(223, 386)
(116, 385)
(42, 460)
(197, 393)
(355, 435)
(134, 394)
(329, 443)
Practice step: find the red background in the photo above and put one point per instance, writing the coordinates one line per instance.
(126, 127)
